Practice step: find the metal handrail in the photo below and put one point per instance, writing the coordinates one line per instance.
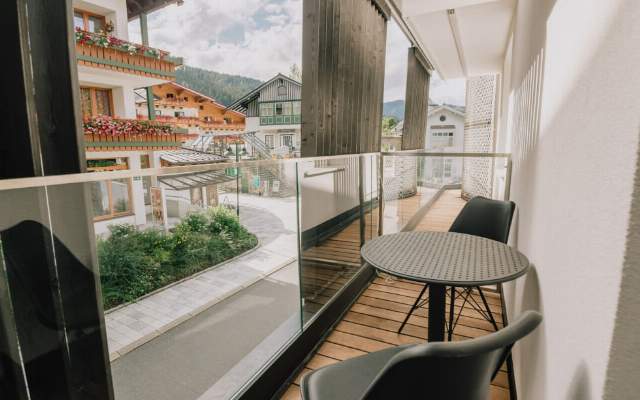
(412, 153)
(85, 177)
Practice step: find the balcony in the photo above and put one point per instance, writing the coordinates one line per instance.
(198, 122)
(110, 53)
(104, 133)
(309, 219)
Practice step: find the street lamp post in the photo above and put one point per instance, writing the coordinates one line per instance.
(244, 152)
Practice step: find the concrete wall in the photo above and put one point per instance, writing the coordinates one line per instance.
(573, 114)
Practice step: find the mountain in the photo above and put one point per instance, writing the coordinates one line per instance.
(394, 108)
(222, 87)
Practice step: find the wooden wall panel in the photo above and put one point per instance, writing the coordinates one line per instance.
(416, 103)
(344, 43)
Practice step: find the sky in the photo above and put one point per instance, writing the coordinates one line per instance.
(259, 38)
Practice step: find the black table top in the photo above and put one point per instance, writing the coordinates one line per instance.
(445, 258)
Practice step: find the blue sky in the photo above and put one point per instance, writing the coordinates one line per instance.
(259, 38)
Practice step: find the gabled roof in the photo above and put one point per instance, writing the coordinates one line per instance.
(242, 102)
(458, 110)
(204, 96)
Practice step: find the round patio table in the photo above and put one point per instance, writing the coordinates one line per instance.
(442, 259)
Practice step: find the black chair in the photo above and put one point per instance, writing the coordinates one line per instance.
(444, 370)
(483, 217)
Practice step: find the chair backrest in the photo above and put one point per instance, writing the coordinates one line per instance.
(485, 217)
(453, 370)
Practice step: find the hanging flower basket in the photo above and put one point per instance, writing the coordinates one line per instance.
(112, 42)
(108, 126)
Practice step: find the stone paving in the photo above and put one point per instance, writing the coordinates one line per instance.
(272, 220)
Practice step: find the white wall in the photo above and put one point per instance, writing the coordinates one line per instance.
(114, 11)
(452, 119)
(574, 113)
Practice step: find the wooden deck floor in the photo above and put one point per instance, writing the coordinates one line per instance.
(372, 322)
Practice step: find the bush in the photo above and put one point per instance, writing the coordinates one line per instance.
(133, 263)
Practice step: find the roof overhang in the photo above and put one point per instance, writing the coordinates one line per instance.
(460, 38)
(137, 7)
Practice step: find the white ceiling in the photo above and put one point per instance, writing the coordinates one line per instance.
(470, 42)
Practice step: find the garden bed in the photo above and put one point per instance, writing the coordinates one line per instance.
(136, 262)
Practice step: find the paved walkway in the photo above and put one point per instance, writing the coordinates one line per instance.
(272, 220)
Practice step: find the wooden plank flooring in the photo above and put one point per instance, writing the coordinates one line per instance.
(372, 322)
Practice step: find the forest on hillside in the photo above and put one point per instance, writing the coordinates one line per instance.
(224, 88)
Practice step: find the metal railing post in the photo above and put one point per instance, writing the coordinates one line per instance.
(380, 195)
(507, 180)
(361, 197)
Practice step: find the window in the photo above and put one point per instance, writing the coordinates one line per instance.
(95, 101)
(110, 199)
(286, 108)
(185, 99)
(268, 140)
(279, 109)
(287, 140)
(266, 109)
(208, 119)
(443, 118)
(158, 112)
(227, 120)
(448, 163)
(282, 90)
(170, 96)
(296, 108)
(89, 22)
(178, 114)
(202, 107)
(442, 139)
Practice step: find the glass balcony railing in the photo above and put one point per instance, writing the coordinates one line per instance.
(205, 274)
(414, 183)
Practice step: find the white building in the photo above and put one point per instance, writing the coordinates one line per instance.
(110, 69)
(445, 134)
(272, 117)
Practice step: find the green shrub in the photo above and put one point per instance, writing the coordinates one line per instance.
(133, 263)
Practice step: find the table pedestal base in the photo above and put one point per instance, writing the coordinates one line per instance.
(437, 306)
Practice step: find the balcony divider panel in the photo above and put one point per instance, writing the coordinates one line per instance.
(344, 46)
(48, 267)
(417, 102)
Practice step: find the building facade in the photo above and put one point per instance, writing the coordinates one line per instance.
(445, 134)
(272, 117)
(110, 70)
(209, 126)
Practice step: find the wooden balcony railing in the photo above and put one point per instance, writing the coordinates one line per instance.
(105, 133)
(108, 52)
(195, 121)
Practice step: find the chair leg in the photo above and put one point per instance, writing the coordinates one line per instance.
(486, 305)
(413, 307)
(452, 301)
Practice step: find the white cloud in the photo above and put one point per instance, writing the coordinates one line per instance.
(259, 38)
(395, 74)
(255, 38)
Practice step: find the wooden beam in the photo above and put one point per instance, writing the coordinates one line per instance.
(343, 71)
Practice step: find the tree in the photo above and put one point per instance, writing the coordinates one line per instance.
(388, 123)
(295, 73)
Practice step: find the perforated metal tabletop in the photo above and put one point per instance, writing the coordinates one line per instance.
(445, 258)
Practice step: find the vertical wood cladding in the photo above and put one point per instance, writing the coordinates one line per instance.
(416, 103)
(343, 54)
